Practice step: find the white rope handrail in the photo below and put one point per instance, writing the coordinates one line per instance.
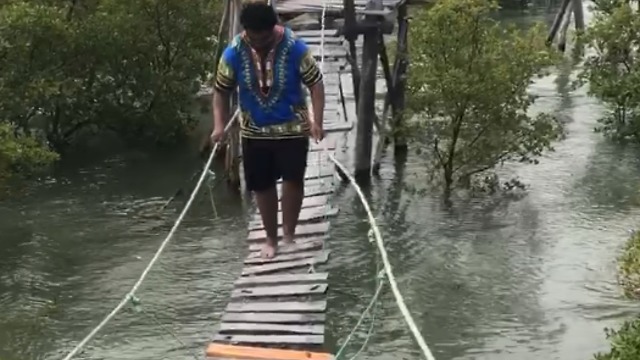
(131, 294)
(376, 231)
(385, 261)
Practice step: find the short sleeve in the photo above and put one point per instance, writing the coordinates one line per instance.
(309, 70)
(226, 76)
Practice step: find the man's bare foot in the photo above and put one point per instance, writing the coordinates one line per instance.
(269, 249)
(288, 239)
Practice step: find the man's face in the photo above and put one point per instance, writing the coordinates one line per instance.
(260, 40)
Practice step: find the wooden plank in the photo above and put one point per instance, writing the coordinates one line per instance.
(304, 244)
(301, 230)
(280, 290)
(243, 327)
(345, 126)
(311, 189)
(276, 318)
(282, 279)
(306, 214)
(285, 265)
(236, 352)
(279, 306)
(255, 258)
(317, 33)
(318, 172)
(271, 339)
(329, 144)
(310, 201)
(312, 173)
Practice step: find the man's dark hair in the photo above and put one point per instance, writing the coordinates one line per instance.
(258, 16)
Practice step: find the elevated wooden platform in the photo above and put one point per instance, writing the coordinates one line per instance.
(333, 7)
(277, 307)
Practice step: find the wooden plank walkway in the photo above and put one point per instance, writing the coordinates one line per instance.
(332, 6)
(277, 307)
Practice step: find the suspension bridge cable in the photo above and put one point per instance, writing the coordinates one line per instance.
(131, 294)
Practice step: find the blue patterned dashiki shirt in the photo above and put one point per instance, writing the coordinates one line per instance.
(273, 105)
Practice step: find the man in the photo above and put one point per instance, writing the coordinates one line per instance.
(269, 66)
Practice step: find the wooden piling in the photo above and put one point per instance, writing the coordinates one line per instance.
(555, 27)
(400, 81)
(578, 15)
(366, 102)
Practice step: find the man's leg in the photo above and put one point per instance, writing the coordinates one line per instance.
(260, 176)
(292, 162)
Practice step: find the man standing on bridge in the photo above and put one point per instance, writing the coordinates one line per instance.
(269, 66)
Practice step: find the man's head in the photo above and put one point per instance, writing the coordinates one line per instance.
(258, 19)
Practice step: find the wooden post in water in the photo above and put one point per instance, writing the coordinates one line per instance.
(558, 21)
(351, 36)
(232, 161)
(578, 15)
(564, 28)
(400, 81)
(366, 102)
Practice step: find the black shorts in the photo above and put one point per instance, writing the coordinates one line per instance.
(267, 160)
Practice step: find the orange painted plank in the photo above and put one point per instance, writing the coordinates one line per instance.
(258, 353)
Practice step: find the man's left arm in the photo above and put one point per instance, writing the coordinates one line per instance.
(312, 78)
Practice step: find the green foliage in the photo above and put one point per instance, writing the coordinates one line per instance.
(72, 68)
(613, 72)
(625, 343)
(21, 154)
(468, 83)
(629, 267)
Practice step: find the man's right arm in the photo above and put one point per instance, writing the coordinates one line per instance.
(225, 83)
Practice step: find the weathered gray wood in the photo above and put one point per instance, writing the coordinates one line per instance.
(257, 259)
(279, 306)
(271, 339)
(306, 214)
(312, 173)
(328, 33)
(282, 279)
(343, 126)
(317, 329)
(280, 290)
(312, 190)
(329, 144)
(310, 201)
(285, 265)
(303, 244)
(301, 230)
(274, 318)
(366, 106)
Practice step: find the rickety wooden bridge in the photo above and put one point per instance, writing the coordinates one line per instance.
(277, 307)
